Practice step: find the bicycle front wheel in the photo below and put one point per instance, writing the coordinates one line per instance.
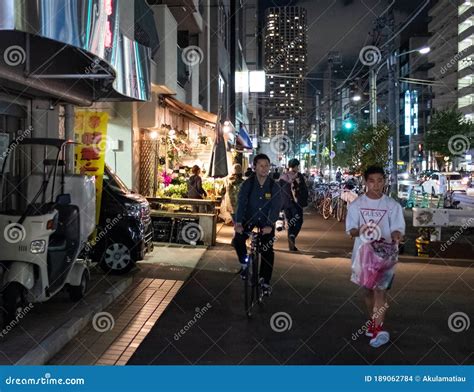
(251, 285)
(327, 208)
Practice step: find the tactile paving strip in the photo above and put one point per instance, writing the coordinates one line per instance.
(114, 335)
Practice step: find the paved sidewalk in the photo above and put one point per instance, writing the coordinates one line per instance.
(313, 316)
(48, 327)
(36, 337)
(113, 336)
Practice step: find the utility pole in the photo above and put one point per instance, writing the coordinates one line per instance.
(393, 98)
(373, 97)
(318, 120)
(330, 119)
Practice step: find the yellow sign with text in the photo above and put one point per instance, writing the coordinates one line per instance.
(90, 132)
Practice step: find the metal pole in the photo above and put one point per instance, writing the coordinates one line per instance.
(69, 134)
(318, 119)
(397, 107)
(373, 97)
(392, 119)
(330, 121)
(155, 167)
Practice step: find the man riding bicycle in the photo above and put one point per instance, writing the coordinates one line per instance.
(259, 205)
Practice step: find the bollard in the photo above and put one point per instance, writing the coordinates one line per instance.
(422, 246)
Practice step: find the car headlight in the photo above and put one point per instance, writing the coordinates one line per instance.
(133, 209)
(37, 246)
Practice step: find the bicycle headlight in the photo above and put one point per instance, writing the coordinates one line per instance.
(38, 246)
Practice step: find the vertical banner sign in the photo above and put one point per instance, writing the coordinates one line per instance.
(90, 132)
(407, 113)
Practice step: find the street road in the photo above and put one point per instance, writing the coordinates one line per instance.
(314, 314)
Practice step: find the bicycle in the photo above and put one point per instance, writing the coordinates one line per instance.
(319, 192)
(348, 194)
(253, 292)
(331, 201)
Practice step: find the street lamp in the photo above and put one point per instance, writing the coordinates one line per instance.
(373, 80)
(391, 61)
(356, 98)
(424, 50)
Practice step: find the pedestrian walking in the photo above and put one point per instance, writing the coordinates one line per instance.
(248, 172)
(232, 188)
(276, 174)
(295, 198)
(376, 222)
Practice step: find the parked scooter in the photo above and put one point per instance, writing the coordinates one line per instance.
(46, 217)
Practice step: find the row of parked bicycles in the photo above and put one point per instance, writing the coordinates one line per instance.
(332, 199)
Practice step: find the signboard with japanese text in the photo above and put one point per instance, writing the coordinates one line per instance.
(90, 132)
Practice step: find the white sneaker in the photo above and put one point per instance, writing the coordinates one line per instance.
(380, 338)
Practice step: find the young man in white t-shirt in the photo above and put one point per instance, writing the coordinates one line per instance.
(371, 217)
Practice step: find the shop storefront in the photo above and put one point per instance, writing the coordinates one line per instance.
(186, 136)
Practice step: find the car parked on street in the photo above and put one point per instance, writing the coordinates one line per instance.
(125, 232)
(440, 182)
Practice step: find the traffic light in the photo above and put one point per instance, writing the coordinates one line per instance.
(348, 125)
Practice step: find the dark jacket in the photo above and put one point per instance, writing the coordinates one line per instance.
(195, 190)
(295, 192)
(258, 205)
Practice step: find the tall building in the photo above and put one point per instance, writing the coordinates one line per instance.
(285, 41)
(444, 47)
(465, 58)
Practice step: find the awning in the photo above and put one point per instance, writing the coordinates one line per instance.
(194, 114)
(243, 142)
(80, 40)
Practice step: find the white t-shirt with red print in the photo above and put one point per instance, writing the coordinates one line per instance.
(376, 219)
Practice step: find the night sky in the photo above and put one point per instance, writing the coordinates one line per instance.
(343, 25)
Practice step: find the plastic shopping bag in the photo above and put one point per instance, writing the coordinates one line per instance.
(374, 264)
